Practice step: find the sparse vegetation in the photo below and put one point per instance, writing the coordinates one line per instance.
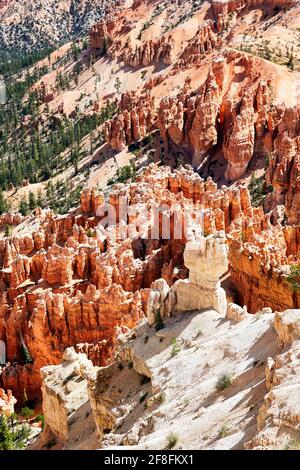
(8, 230)
(40, 419)
(27, 412)
(293, 278)
(172, 440)
(159, 324)
(175, 348)
(224, 381)
(257, 190)
(11, 439)
(224, 431)
(26, 354)
(91, 233)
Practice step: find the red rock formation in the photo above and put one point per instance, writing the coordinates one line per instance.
(205, 41)
(100, 35)
(238, 145)
(221, 8)
(283, 171)
(61, 287)
(148, 52)
(134, 123)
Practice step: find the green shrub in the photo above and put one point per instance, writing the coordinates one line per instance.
(225, 381)
(172, 440)
(159, 324)
(10, 440)
(175, 348)
(8, 230)
(224, 431)
(257, 190)
(90, 233)
(162, 397)
(40, 419)
(27, 412)
(293, 278)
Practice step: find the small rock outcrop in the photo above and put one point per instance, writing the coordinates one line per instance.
(64, 391)
(7, 402)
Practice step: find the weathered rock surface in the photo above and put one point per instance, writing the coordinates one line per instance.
(7, 402)
(64, 390)
(136, 414)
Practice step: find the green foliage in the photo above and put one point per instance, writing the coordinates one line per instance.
(27, 412)
(90, 233)
(3, 203)
(224, 381)
(224, 431)
(38, 158)
(257, 190)
(6, 435)
(10, 439)
(13, 66)
(126, 172)
(293, 278)
(159, 324)
(26, 354)
(175, 348)
(172, 440)
(40, 419)
(23, 207)
(8, 230)
(32, 201)
(118, 84)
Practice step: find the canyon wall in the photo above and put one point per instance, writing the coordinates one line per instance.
(72, 283)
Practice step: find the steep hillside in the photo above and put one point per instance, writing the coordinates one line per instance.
(34, 25)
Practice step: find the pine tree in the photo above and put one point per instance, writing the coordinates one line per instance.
(25, 351)
(23, 208)
(32, 201)
(6, 435)
(3, 204)
(40, 199)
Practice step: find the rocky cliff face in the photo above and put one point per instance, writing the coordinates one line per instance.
(64, 286)
(138, 400)
(214, 117)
